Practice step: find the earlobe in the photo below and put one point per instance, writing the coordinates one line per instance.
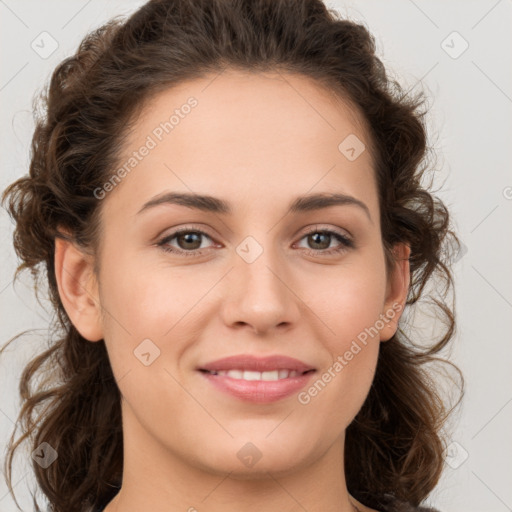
(78, 289)
(397, 291)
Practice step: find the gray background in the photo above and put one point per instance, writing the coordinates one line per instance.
(470, 122)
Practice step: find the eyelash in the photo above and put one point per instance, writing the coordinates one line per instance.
(345, 243)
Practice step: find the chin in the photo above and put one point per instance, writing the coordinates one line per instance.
(251, 463)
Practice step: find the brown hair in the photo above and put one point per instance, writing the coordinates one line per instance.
(395, 444)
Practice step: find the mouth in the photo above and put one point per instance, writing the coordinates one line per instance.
(257, 380)
(267, 376)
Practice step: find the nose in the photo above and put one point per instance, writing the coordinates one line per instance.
(259, 295)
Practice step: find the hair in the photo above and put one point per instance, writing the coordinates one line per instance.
(394, 446)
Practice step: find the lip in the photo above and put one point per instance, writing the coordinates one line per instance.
(258, 391)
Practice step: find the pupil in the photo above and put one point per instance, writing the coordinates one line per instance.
(189, 239)
(315, 239)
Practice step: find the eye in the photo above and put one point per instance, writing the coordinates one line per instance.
(188, 239)
(189, 242)
(321, 239)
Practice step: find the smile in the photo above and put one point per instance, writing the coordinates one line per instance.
(271, 375)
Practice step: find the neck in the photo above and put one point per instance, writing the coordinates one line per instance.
(161, 481)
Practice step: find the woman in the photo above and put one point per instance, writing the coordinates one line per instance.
(227, 198)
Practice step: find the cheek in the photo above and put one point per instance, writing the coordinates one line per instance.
(348, 300)
(340, 387)
(156, 303)
(146, 299)
(351, 308)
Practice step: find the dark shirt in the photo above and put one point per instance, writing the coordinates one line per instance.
(393, 505)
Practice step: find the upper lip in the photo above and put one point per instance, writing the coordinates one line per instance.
(259, 364)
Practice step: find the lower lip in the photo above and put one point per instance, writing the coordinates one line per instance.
(259, 391)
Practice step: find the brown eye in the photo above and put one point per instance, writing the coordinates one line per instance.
(188, 242)
(318, 242)
(321, 240)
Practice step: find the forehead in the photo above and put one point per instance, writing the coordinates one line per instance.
(268, 136)
(246, 108)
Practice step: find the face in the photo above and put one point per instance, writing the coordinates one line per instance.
(254, 273)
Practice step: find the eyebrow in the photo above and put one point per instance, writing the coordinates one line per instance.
(212, 204)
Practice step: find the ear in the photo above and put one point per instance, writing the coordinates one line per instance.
(396, 291)
(78, 288)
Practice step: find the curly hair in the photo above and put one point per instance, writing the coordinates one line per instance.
(395, 443)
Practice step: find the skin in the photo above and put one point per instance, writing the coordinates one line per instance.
(257, 141)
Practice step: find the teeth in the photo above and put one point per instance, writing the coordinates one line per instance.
(270, 375)
(248, 375)
(252, 375)
(235, 374)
